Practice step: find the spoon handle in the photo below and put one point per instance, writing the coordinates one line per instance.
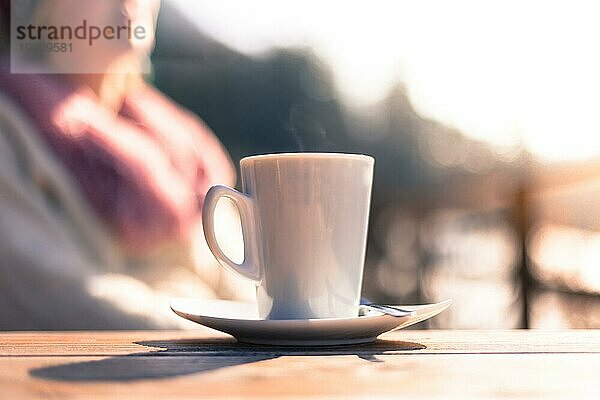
(391, 310)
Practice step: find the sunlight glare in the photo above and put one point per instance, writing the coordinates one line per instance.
(506, 73)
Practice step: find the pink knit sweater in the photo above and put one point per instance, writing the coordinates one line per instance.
(144, 170)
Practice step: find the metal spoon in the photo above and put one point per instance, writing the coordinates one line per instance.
(391, 310)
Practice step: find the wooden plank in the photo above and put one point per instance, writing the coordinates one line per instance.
(207, 341)
(204, 363)
(545, 376)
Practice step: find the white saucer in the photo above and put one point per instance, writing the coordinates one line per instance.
(241, 321)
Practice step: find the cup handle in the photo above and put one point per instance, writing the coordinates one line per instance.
(249, 268)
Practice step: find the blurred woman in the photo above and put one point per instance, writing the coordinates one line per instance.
(102, 180)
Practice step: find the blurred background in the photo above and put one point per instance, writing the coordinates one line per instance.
(482, 118)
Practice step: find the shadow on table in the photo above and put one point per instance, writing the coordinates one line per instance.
(184, 357)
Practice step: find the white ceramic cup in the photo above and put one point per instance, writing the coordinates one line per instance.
(304, 220)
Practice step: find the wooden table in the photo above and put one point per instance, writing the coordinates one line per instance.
(205, 363)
